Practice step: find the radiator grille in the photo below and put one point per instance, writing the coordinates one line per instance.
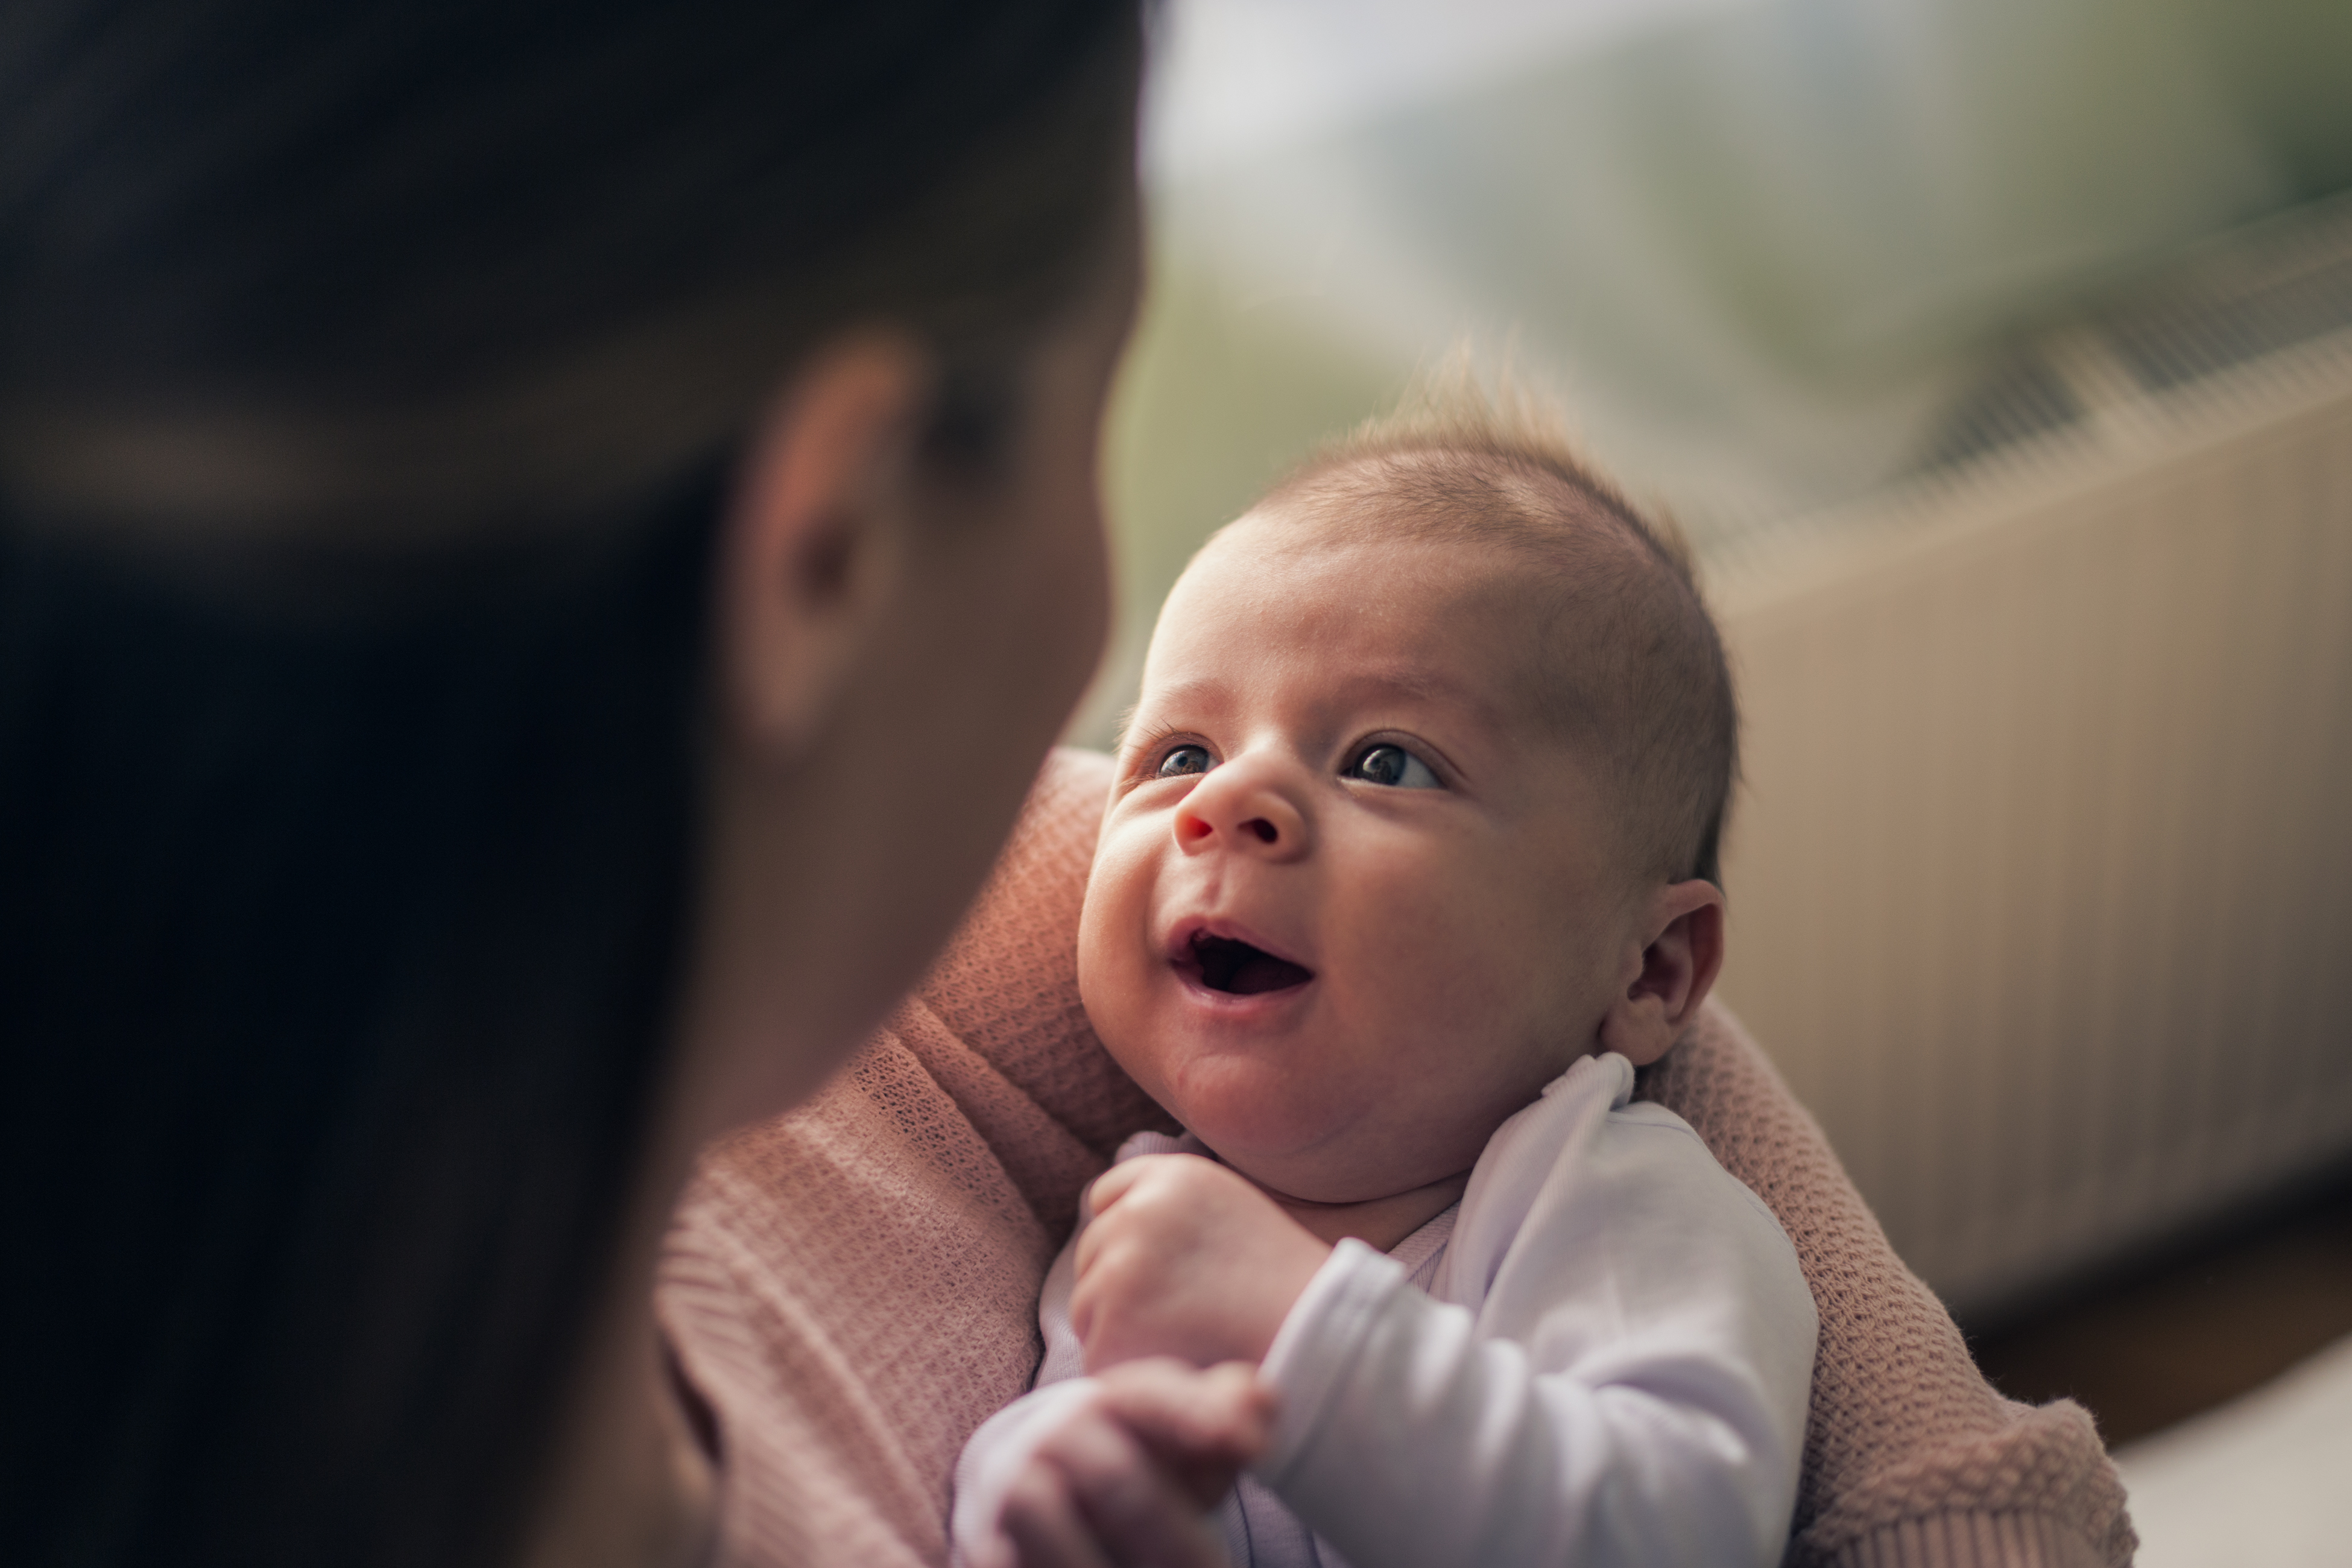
(2041, 884)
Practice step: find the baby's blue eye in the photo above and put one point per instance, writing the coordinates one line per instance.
(1393, 766)
(1181, 761)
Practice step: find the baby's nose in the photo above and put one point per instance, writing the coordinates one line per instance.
(1253, 813)
(1193, 829)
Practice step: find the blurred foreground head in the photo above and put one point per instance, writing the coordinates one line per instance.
(374, 384)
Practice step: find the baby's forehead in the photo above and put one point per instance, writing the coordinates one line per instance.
(1333, 592)
(1263, 565)
(1369, 541)
(1436, 563)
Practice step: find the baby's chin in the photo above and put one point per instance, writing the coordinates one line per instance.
(1247, 1108)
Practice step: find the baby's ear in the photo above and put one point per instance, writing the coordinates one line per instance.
(1670, 975)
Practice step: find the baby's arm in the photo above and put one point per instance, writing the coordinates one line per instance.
(1632, 1389)
(1663, 1459)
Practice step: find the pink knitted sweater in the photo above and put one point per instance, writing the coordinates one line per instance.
(853, 1287)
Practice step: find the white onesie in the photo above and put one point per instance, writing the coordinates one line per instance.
(1607, 1362)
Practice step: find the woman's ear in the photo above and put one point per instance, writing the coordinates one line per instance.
(816, 533)
(1670, 975)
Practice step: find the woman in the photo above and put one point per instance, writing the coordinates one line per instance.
(538, 548)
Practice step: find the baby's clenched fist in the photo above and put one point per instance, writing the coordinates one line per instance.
(1185, 1258)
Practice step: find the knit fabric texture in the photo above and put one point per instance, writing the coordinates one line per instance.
(852, 1287)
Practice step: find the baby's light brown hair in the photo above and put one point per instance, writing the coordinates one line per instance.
(1629, 662)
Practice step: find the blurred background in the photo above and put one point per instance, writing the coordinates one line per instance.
(1997, 355)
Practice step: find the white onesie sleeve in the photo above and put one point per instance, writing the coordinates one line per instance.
(1610, 1367)
(1614, 1368)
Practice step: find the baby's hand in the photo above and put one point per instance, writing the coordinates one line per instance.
(1127, 1479)
(1184, 1257)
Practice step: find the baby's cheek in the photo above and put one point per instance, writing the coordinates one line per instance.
(1110, 944)
(1439, 975)
(1113, 988)
(1493, 954)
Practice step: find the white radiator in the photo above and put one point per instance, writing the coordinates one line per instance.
(2042, 881)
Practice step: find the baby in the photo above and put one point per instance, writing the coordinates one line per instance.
(1409, 863)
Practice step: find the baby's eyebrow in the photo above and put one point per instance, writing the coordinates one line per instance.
(1199, 698)
(1416, 685)
(1412, 683)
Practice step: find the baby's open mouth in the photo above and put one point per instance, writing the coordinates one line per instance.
(1226, 964)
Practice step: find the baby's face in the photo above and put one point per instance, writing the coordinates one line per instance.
(1354, 902)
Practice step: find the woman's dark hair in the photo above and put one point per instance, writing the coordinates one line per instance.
(371, 381)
